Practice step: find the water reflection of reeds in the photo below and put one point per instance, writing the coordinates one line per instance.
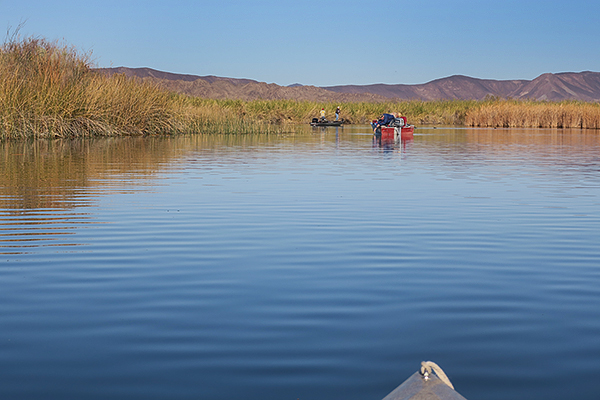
(58, 174)
(47, 174)
(22, 231)
(46, 183)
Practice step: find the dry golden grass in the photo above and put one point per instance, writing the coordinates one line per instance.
(48, 90)
(534, 114)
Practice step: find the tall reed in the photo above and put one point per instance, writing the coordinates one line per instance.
(301, 112)
(39, 86)
(50, 90)
(491, 112)
(534, 114)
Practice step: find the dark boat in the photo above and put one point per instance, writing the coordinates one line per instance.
(431, 383)
(318, 122)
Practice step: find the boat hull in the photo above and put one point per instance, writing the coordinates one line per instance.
(328, 123)
(417, 388)
(395, 133)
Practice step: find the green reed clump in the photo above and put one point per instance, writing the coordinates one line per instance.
(419, 112)
(290, 112)
(199, 115)
(490, 112)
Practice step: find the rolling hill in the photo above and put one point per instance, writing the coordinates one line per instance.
(584, 86)
(244, 89)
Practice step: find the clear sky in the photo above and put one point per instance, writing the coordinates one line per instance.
(325, 42)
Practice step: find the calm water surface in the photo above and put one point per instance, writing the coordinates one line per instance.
(318, 265)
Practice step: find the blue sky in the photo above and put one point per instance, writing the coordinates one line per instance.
(325, 42)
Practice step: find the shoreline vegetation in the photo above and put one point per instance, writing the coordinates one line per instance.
(49, 90)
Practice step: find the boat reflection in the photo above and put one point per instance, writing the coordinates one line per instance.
(391, 145)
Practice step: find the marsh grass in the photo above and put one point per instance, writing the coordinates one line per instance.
(198, 115)
(534, 114)
(291, 112)
(491, 112)
(49, 90)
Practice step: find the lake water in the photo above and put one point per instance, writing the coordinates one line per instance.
(318, 265)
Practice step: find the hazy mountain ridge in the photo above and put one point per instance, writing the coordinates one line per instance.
(231, 88)
(583, 86)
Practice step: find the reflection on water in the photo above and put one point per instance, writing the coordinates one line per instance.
(48, 174)
(47, 186)
(27, 230)
(320, 264)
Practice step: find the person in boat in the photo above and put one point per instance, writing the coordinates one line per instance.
(337, 113)
(384, 120)
(322, 115)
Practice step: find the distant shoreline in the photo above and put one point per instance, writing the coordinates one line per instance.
(51, 91)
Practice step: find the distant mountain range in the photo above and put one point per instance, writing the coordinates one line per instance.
(583, 86)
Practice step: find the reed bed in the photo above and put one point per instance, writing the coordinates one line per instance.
(49, 90)
(491, 112)
(292, 112)
(447, 112)
(198, 115)
(534, 114)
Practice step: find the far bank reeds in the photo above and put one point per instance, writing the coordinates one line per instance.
(292, 112)
(534, 114)
(492, 112)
